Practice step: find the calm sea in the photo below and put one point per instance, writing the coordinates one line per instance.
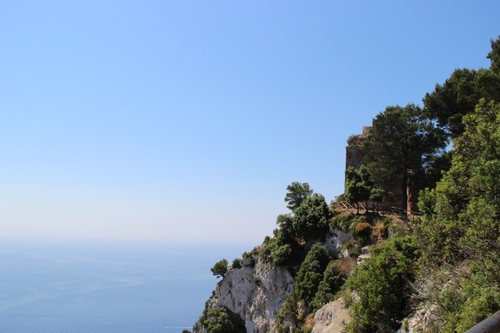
(102, 287)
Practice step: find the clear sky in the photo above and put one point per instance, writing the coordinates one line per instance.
(186, 120)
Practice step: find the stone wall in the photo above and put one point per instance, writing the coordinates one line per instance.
(354, 152)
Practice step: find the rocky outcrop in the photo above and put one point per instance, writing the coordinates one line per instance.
(331, 318)
(255, 293)
(334, 241)
(419, 321)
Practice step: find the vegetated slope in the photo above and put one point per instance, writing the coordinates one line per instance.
(437, 272)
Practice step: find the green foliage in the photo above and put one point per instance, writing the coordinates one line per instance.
(280, 250)
(361, 232)
(236, 263)
(378, 195)
(465, 294)
(401, 143)
(382, 285)
(355, 189)
(250, 256)
(361, 187)
(287, 315)
(494, 56)
(461, 213)
(276, 252)
(281, 254)
(449, 102)
(460, 93)
(436, 165)
(297, 192)
(285, 232)
(311, 273)
(333, 279)
(220, 268)
(220, 320)
(311, 219)
(460, 230)
(342, 221)
(478, 298)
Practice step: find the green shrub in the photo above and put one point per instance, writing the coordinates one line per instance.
(220, 320)
(311, 218)
(465, 294)
(342, 221)
(287, 315)
(354, 251)
(333, 279)
(281, 255)
(381, 284)
(352, 247)
(310, 273)
(236, 263)
(220, 268)
(361, 232)
(246, 255)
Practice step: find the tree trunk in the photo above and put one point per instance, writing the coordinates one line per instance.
(404, 188)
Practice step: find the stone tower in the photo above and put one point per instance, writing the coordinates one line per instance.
(354, 152)
(354, 157)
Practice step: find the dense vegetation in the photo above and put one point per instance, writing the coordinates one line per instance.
(447, 263)
(444, 263)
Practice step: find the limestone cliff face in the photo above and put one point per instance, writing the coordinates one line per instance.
(255, 293)
(334, 241)
(331, 318)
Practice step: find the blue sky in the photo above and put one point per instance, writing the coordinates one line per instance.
(186, 120)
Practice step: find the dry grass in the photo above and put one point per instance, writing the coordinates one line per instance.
(347, 265)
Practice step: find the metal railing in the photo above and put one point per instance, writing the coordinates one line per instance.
(489, 325)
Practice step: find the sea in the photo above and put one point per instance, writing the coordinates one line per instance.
(58, 286)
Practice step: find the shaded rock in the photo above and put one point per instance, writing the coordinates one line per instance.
(334, 241)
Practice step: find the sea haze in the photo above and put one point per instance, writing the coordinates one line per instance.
(103, 287)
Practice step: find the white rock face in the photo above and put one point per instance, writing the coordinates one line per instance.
(255, 294)
(419, 321)
(334, 241)
(331, 318)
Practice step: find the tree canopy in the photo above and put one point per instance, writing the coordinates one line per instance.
(361, 187)
(220, 268)
(310, 273)
(462, 212)
(297, 192)
(401, 143)
(355, 188)
(311, 219)
(460, 93)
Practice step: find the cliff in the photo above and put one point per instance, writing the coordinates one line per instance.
(256, 291)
